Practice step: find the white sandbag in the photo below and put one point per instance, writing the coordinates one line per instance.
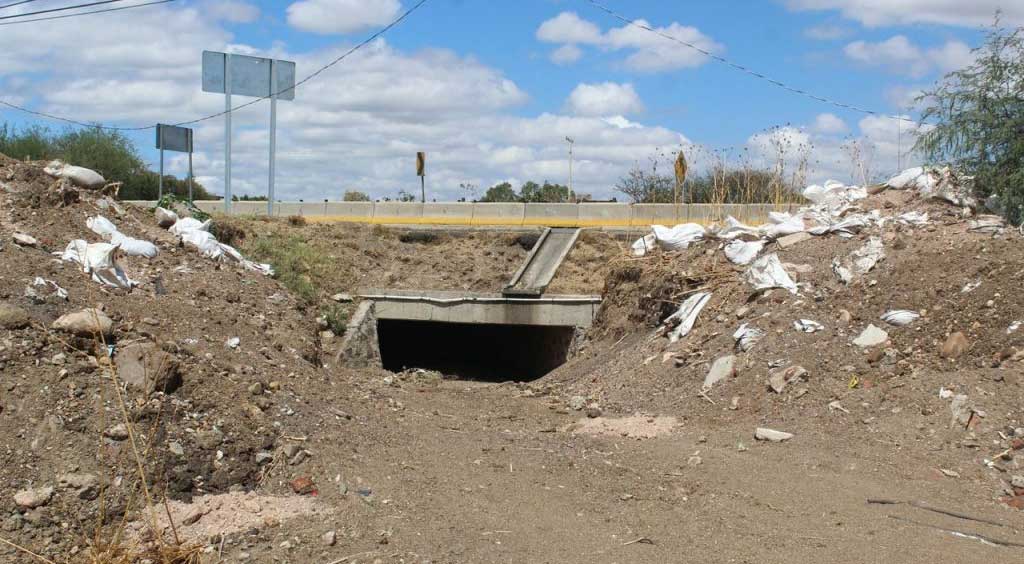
(747, 336)
(679, 237)
(788, 226)
(99, 260)
(900, 317)
(846, 227)
(733, 229)
(686, 315)
(834, 193)
(79, 176)
(767, 272)
(906, 179)
(187, 224)
(742, 252)
(643, 245)
(865, 258)
(128, 245)
(204, 241)
(101, 226)
(165, 218)
(808, 326)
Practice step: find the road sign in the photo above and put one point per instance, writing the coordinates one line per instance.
(174, 138)
(229, 74)
(421, 164)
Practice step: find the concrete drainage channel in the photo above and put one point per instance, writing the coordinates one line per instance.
(520, 334)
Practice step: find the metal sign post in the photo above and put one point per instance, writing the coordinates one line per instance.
(421, 171)
(228, 74)
(178, 139)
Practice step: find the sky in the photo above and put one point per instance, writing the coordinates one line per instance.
(490, 90)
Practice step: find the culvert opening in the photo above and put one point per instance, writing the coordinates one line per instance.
(472, 351)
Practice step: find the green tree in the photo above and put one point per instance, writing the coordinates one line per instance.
(978, 114)
(404, 196)
(547, 192)
(647, 187)
(32, 143)
(355, 196)
(500, 193)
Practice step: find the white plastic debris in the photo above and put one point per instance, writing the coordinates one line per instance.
(992, 224)
(24, 240)
(734, 228)
(165, 218)
(79, 176)
(945, 393)
(722, 368)
(913, 218)
(41, 290)
(900, 317)
(970, 287)
(833, 193)
(128, 245)
(644, 245)
(771, 435)
(679, 237)
(836, 406)
(866, 257)
(936, 182)
(767, 272)
(1014, 327)
(742, 252)
(782, 224)
(871, 336)
(99, 260)
(686, 315)
(808, 326)
(233, 343)
(845, 227)
(187, 224)
(842, 273)
(747, 336)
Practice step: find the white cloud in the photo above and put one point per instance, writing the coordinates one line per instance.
(901, 12)
(827, 32)
(341, 16)
(899, 55)
(829, 123)
(235, 11)
(650, 52)
(566, 54)
(605, 99)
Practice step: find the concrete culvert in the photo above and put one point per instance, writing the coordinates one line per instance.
(494, 353)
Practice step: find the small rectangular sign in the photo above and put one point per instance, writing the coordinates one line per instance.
(421, 164)
(250, 76)
(173, 138)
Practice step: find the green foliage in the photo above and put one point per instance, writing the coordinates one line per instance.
(503, 192)
(248, 198)
(336, 316)
(978, 114)
(404, 196)
(296, 264)
(109, 153)
(172, 201)
(355, 196)
(547, 192)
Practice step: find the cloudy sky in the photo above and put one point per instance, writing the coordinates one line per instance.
(491, 89)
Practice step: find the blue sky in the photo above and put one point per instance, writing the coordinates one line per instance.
(490, 89)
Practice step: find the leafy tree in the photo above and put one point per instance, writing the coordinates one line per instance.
(647, 187)
(404, 196)
(32, 143)
(355, 196)
(978, 114)
(547, 192)
(503, 192)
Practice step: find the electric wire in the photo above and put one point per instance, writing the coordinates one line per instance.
(87, 13)
(61, 9)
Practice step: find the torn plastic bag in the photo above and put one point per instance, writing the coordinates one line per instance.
(906, 179)
(767, 272)
(79, 176)
(900, 317)
(747, 336)
(788, 226)
(914, 219)
(865, 258)
(733, 228)
(165, 218)
(258, 267)
(187, 224)
(834, 193)
(42, 290)
(643, 245)
(847, 227)
(101, 226)
(679, 237)
(686, 315)
(99, 260)
(808, 326)
(742, 252)
(204, 241)
(842, 273)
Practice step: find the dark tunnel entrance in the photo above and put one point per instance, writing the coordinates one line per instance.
(493, 353)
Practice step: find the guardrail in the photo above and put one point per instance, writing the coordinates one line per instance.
(502, 214)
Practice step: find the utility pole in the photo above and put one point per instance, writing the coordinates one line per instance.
(571, 142)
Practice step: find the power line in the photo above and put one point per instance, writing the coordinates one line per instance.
(64, 8)
(742, 68)
(13, 4)
(87, 13)
(337, 60)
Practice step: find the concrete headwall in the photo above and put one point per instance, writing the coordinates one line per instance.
(503, 214)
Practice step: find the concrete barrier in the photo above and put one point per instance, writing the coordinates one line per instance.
(398, 212)
(345, 212)
(604, 215)
(454, 213)
(511, 214)
(551, 215)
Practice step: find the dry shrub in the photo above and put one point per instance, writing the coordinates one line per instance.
(296, 221)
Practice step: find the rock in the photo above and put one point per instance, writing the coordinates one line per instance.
(209, 439)
(845, 317)
(85, 485)
(955, 346)
(577, 403)
(176, 448)
(233, 343)
(24, 240)
(790, 240)
(1017, 481)
(593, 412)
(876, 355)
(12, 317)
(298, 458)
(145, 367)
(722, 368)
(86, 323)
(291, 450)
(118, 432)
(303, 485)
(742, 312)
(329, 538)
(871, 336)
(342, 298)
(771, 435)
(33, 498)
(778, 379)
(256, 388)
(263, 457)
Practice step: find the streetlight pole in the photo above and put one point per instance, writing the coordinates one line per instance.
(571, 142)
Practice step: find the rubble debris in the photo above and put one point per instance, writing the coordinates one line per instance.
(913, 219)
(936, 182)
(900, 317)
(793, 239)
(871, 336)
(144, 367)
(686, 315)
(33, 497)
(990, 224)
(723, 367)
(865, 258)
(1013, 327)
(954, 346)
(99, 260)
(85, 323)
(118, 432)
(779, 378)
(24, 240)
(13, 317)
(771, 435)
(970, 287)
(747, 336)
(78, 175)
(41, 291)
(766, 272)
(842, 273)
(808, 326)
(742, 252)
